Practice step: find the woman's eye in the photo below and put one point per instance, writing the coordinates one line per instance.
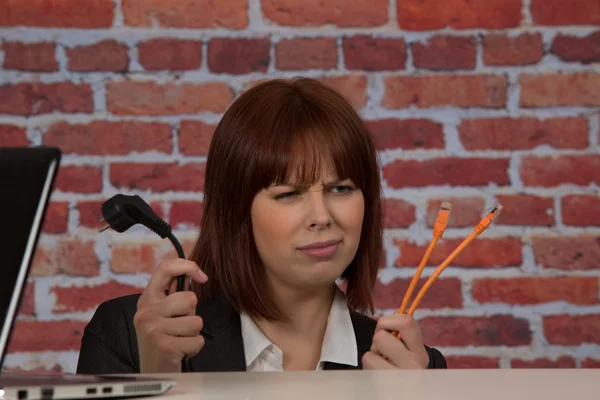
(343, 189)
(286, 195)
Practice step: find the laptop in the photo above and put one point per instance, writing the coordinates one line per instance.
(27, 177)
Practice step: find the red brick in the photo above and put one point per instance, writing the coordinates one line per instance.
(37, 57)
(186, 213)
(306, 53)
(558, 12)
(79, 179)
(471, 362)
(13, 136)
(195, 137)
(567, 253)
(238, 56)
(487, 253)
(523, 133)
(170, 54)
(560, 89)
(90, 213)
(581, 210)
(527, 48)
(536, 290)
(486, 91)
(158, 177)
(133, 258)
(445, 53)
(398, 213)
(42, 98)
(55, 336)
(572, 329)
(352, 87)
(86, 298)
(57, 216)
(27, 306)
(106, 55)
(341, 13)
(110, 138)
(368, 53)
(526, 210)
(590, 363)
(68, 256)
(151, 98)
(447, 171)
(494, 330)
(446, 293)
(561, 362)
(409, 134)
(423, 15)
(556, 170)
(230, 14)
(466, 211)
(58, 13)
(577, 49)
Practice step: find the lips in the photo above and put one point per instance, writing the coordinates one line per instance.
(321, 250)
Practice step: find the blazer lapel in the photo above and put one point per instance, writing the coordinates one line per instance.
(224, 346)
(364, 328)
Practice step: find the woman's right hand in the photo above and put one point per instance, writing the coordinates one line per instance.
(167, 327)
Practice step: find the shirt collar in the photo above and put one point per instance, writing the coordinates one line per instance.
(339, 344)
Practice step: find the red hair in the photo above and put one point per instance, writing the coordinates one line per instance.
(274, 129)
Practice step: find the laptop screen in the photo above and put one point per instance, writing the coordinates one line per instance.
(26, 180)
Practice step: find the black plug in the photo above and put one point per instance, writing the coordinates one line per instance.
(121, 212)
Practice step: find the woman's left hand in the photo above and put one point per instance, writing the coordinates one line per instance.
(408, 352)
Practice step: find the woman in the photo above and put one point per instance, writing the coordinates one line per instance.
(291, 208)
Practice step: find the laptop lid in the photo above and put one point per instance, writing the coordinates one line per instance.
(27, 178)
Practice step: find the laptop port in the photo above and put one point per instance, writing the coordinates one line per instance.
(47, 393)
(107, 389)
(91, 390)
(22, 394)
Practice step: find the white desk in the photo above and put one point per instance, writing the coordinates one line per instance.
(495, 384)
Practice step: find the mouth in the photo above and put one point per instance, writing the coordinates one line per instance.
(321, 250)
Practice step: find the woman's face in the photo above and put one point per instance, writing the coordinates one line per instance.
(307, 236)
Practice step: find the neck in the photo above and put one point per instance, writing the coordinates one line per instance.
(307, 314)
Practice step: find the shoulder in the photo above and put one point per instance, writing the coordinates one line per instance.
(109, 343)
(115, 310)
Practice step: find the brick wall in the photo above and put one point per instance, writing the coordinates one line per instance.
(471, 101)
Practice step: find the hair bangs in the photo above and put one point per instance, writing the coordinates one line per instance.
(309, 144)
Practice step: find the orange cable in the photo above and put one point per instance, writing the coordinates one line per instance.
(483, 225)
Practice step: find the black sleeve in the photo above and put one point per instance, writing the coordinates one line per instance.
(436, 359)
(108, 341)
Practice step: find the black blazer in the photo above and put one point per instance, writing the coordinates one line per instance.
(109, 343)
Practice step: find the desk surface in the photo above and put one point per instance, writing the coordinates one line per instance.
(494, 384)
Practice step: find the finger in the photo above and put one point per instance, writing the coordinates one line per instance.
(389, 346)
(406, 326)
(374, 361)
(176, 305)
(187, 326)
(190, 346)
(166, 272)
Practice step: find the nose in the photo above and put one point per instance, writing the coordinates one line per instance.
(318, 217)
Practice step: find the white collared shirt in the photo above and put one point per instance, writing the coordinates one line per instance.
(339, 343)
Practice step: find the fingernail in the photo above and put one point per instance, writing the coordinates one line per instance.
(203, 276)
